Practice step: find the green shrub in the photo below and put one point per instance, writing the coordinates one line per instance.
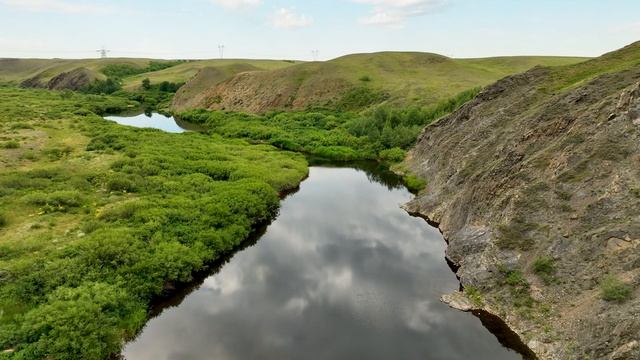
(393, 155)
(20, 126)
(121, 183)
(545, 268)
(146, 84)
(10, 145)
(474, 295)
(58, 152)
(361, 97)
(365, 78)
(518, 288)
(414, 184)
(515, 278)
(3, 220)
(614, 289)
(60, 201)
(86, 322)
(124, 70)
(108, 86)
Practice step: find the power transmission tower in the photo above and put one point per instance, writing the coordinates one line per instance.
(103, 52)
(221, 50)
(315, 54)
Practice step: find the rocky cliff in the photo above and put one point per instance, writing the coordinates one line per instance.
(536, 186)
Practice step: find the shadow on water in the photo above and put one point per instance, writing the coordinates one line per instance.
(507, 337)
(376, 172)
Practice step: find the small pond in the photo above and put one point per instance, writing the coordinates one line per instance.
(154, 120)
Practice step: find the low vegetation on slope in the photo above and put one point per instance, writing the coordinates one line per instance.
(16, 71)
(394, 78)
(535, 184)
(150, 82)
(96, 219)
(383, 133)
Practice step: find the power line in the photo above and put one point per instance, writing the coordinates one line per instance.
(103, 52)
(315, 54)
(221, 50)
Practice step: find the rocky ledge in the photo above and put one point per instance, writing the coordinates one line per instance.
(535, 184)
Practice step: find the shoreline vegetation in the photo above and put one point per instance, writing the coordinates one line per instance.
(98, 219)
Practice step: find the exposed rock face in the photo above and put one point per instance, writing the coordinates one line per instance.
(195, 93)
(75, 79)
(545, 164)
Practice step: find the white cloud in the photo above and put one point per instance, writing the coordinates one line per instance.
(237, 4)
(287, 18)
(57, 6)
(395, 12)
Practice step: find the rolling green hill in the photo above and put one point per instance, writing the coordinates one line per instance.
(184, 72)
(359, 80)
(38, 72)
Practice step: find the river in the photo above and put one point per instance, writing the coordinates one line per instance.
(342, 272)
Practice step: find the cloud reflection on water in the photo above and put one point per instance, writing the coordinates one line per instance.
(342, 273)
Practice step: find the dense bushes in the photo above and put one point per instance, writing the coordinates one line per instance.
(120, 71)
(382, 133)
(150, 95)
(55, 201)
(361, 97)
(115, 214)
(107, 86)
(86, 322)
(108, 224)
(392, 155)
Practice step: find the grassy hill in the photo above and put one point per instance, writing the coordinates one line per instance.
(401, 78)
(226, 67)
(19, 70)
(16, 71)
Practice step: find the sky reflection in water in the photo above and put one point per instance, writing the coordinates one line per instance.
(342, 273)
(149, 120)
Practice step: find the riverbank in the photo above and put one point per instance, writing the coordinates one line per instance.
(97, 218)
(341, 261)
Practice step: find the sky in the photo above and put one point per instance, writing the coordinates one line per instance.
(322, 29)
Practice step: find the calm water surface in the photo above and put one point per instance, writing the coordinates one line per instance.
(342, 273)
(151, 120)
